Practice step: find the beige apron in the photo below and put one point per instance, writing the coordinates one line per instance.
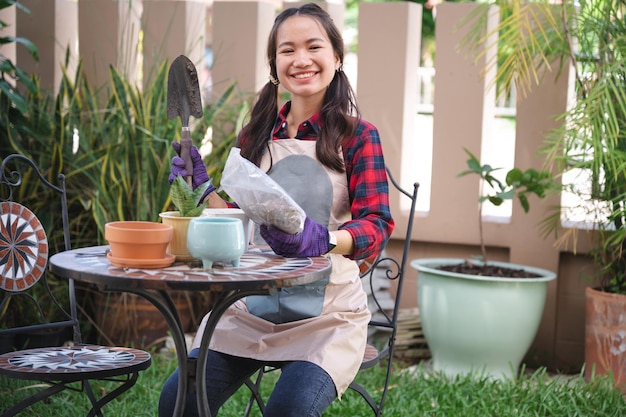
(335, 337)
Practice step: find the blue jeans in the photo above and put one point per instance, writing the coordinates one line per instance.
(303, 388)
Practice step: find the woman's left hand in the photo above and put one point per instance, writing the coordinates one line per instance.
(312, 241)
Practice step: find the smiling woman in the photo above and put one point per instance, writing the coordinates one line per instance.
(330, 162)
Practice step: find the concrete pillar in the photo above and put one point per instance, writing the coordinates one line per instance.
(173, 28)
(388, 59)
(240, 31)
(536, 118)
(109, 36)
(53, 27)
(464, 109)
(9, 17)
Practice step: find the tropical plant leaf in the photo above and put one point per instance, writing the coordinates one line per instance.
(524, 36)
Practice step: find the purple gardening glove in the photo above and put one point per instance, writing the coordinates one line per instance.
(199, 174)
(312, 241)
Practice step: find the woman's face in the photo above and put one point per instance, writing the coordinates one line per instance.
(305, 59)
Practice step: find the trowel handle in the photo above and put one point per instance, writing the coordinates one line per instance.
(185, 153)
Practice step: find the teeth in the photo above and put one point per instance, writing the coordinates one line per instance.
(308, 74)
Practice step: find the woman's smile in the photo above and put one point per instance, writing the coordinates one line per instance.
(304, 75)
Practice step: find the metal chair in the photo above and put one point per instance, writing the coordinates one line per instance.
(24, 251)
(393, 270)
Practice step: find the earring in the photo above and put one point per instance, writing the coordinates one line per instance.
(273, 80)
(340, 67)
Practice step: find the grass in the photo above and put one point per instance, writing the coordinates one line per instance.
(414, 392)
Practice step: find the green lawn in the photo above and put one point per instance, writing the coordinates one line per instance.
(414, 392)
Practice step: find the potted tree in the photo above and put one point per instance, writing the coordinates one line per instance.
(588, 38)
(479, 316)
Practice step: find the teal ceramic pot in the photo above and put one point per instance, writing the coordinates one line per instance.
(213, 239)
(476, 324)
(234, 213)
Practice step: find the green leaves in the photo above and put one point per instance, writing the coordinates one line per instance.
(530, 36)
(187, 200)
(526, 182)
(15, 87)
(113, 145)
(517, 183)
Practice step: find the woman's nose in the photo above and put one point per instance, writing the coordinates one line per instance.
(302, 59)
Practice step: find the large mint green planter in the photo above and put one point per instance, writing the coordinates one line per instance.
(478, 325)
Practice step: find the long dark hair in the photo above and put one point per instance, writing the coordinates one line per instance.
(339, 111)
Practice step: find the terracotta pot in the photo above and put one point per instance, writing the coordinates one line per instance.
(178, 244)
(605, 335)
(138, 239)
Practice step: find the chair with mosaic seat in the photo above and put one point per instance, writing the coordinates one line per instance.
(26, 242)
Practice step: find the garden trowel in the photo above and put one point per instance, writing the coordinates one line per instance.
(183, 100)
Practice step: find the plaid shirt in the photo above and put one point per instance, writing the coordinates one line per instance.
(371, 223)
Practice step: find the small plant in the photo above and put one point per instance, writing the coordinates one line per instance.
(517, 183)
(187, 200)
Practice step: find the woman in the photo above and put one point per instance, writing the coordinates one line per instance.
(330, 162)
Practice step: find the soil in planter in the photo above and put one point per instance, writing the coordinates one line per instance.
(488, 270)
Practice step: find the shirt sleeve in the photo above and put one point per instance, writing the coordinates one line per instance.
(371, 223)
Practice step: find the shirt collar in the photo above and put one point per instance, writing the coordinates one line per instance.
(308, 130)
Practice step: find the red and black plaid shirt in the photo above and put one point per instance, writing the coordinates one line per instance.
(371, 223)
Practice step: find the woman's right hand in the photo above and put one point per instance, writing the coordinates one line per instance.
(199, 174)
